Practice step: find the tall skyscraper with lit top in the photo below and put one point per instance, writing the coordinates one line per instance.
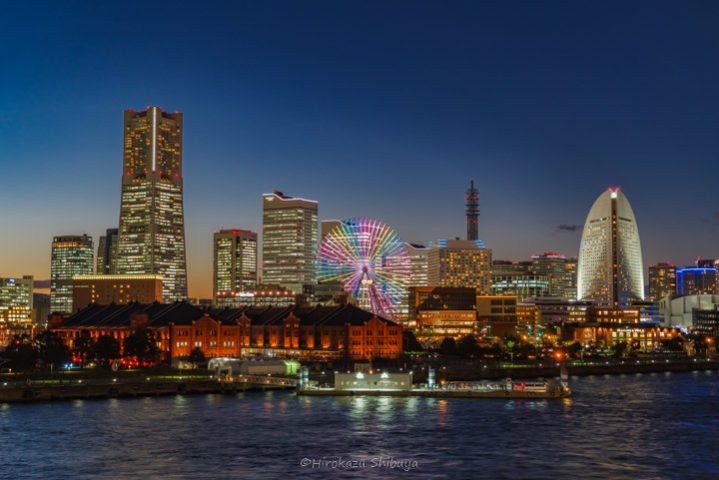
(609, 270)
(151, 237)
(289, 241)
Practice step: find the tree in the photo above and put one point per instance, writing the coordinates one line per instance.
(467, 346)
(21, 353)
(620, 348)
(197, 355)
(141, 344)
(675, 344)
(573, 349)
(448, 346)
(83, 346)
(410, 342)
(106, 348)
(51, 349)
(510, 348)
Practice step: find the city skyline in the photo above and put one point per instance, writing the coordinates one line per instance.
(361, 147)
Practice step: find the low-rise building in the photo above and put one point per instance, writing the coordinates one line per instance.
(677, 312)
(607, 335)
(107, 289)
(612, 315)
(307, 333)
(433, 326)
(706, 321)
(433, 299)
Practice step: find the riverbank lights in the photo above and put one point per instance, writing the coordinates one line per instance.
(360, 376)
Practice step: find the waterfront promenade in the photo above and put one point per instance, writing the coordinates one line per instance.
(88, 384)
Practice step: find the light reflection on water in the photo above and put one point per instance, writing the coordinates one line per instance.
(614, 427)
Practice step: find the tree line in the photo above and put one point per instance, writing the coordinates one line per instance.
(48, 349)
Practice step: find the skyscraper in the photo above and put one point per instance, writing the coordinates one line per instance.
(151, 237)
(234, 263)
(107, 252)
(16, 299)
(472, 212)
(609, 270)
(558, 270)
(289, 241)
(419, 258)
(71, 255)
(662, 280)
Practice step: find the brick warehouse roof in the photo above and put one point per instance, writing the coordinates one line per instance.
(183, 313)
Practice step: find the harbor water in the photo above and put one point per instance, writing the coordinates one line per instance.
(659, 425)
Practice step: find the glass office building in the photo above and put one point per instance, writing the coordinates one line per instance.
(289, 241)
(234, 263)
(71, 255)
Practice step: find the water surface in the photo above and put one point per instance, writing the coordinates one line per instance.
(661, 425)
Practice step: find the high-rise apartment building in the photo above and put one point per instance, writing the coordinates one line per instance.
(662, 280)
(610, 269)
(151, 237)
(107, 252)
(71, 255)
(289, 241)
(460, 263)
(16, 299)
(234, 263)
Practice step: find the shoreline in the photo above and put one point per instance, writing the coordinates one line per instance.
(129, 388)
(109, 389)
(628, 367)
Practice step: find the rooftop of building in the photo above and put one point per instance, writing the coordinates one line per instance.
(184, 313)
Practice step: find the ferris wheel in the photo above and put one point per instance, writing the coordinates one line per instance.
(369, 260)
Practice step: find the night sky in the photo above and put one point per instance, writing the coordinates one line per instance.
(380, 109)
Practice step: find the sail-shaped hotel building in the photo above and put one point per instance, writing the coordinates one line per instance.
(609, 271)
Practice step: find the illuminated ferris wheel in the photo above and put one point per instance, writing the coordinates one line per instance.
(369, 260)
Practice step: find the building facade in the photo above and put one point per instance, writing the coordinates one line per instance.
(461, 264)
(678, 312)
(234, 263)
(107, 253)
(662, 280)
(697, 281)
(16, 299)
(312, 333)
(107, 289)
(419, 263)
(517, 279)
(71, 255)
(151, 237)
(437, 299)
(558, 271)
(433, 326)
(706, 321)
(609, 271)
(289, 241)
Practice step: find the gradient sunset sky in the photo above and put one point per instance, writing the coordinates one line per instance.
(379, 109)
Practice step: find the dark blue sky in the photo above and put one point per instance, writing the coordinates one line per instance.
(381, 109)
